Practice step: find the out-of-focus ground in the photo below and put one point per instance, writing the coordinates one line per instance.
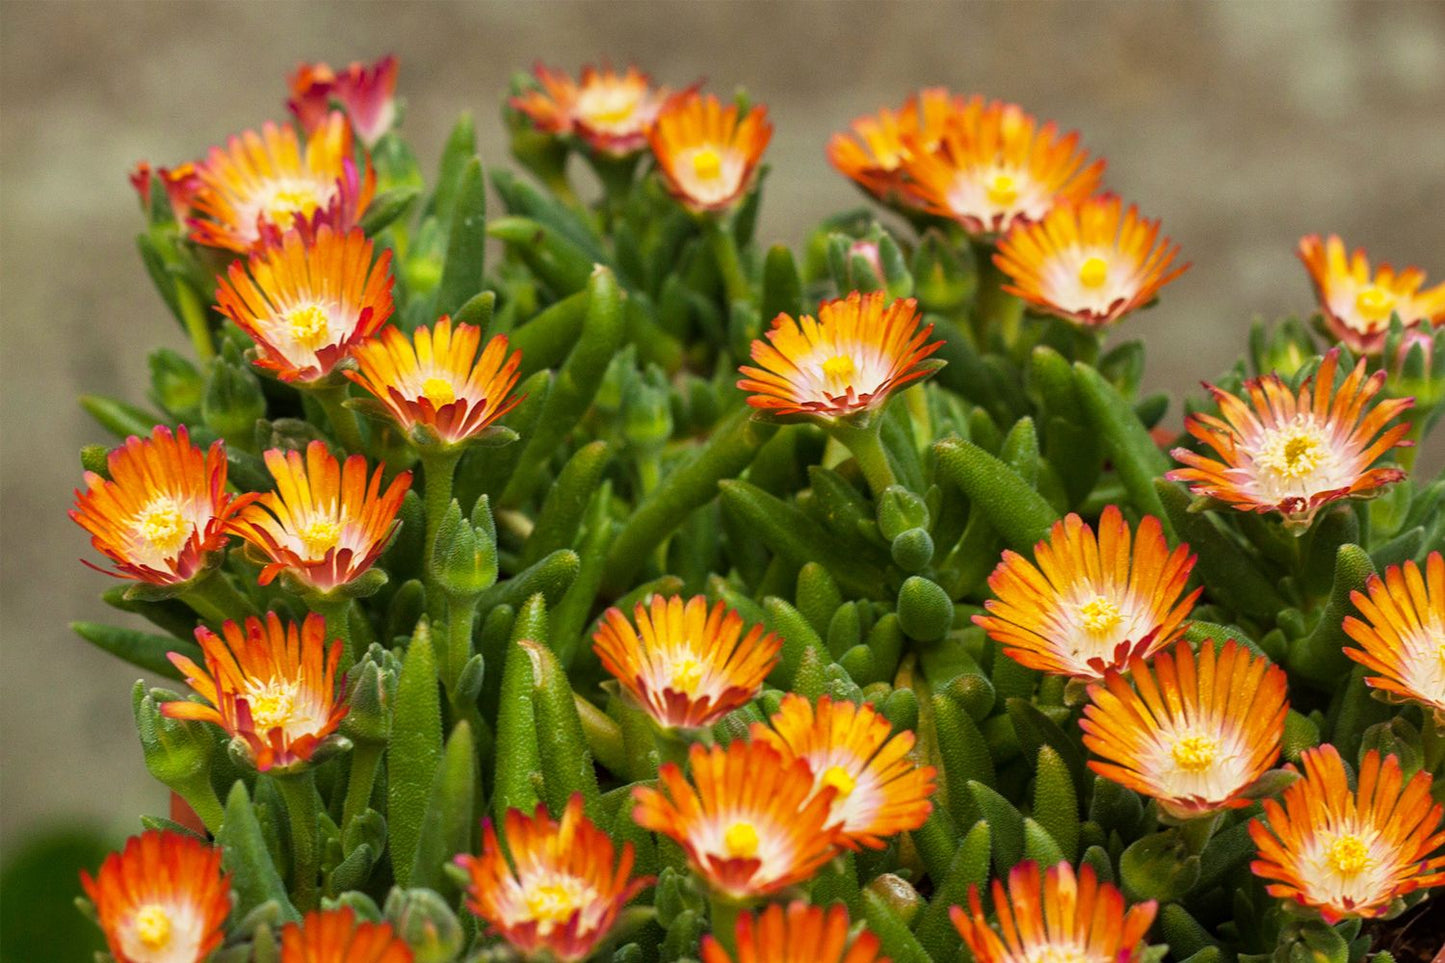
(1241, 125)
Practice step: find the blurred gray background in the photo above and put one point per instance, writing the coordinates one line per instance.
(1242, 125)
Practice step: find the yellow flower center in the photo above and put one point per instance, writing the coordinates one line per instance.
(153, 926)
(1100, 614)
(840, 779)
(839, 368)
(1375, 303)
(1058, 954)
(611, 106)
(553, 902)
(1349, 854)
(309, 326)
(272, 706)
(1093, 272)
(1295, 451)
(1003, 190)
(1195, 753)
(686, 674)
(707, 164)
(319, 535)
(163, 526)
(438, 391)
(288, 201)
(741, 840)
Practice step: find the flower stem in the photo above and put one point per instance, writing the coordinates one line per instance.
(336, 610)
(460, 609)
(365, 758)
(343, 419)
(215, 599)
(671, 747)
(729, 264)
(299, 793)
(439, 468)
(866, 444)
(723, 921)
(198, 327)
(201, 796)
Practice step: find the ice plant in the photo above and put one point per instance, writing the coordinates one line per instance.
(1357, 304)
(366, 92)
(337, 936)
(1068, 917)
(1192, 732)
(324, 524)
(161, 516)
(708, 157)
(685, 664)
(561, 891)
(1090, 602)
(306, 305)
(263, 185)
(1350, 852)
(1294, 453)
(878, 790)
(798, 934)
(609, 112)
(750, 820)
(163, 899)
(996, 167)
(180, 185)
(874, 149)
(270, 685)
(1402, 634)
(1089, 263)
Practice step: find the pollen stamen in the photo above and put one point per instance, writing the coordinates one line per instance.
(1100, 615)
(1093, 272)
(1375, 303)
(319, 535)
(309, 325)
(153, 926)
(841, 780)
(741, 840)
(1294, 451)
(162, 526)
(1195, 753)
(1003, 189)
(1349, 854)
(438, 391)
(707, 164)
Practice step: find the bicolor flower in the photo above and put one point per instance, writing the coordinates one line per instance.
(435, 384)
(366, 93)
(324, 524)
(1088, 603)
(798, 934)
(1068, 917)
(162, 899)
(161, 516)
(1402, 634)
(271, 685)
(684, 664)
(609, 112)
(1357, 304)
(307, 305)
(1089, 263)
(1192, 732)
(561, 891)
(1294, 453)
(874, 149)
(848, 360)
(997, 167)
(1350, 852)
(263, 185)
(707, 155)
(877, 790)
(750, 820)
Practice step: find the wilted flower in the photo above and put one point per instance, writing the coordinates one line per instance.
(1357, 306)
(609, 112)
(1402, 635)
(707, 156)
(874, 149)
(798, 934)
(367, 93)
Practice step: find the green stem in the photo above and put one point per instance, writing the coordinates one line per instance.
(729, 264)
(215, 599)
(439, 468)
(866, 444)
(299, 793)
(343, 419)
(723, 920)
(201, 796)
(1432, 742)
(1197, 832)
(198, 327)
(365, 758)
(460, 609)
(336, 609)
(671, 747)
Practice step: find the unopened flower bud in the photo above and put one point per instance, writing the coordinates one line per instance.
(1283, 349)
(944, 277)
(176, 384)
(177, 751)
(899, 510)
(899, 895)
(233, 402)
(423, 919)
(372, 697)
(465, 559)
(1415, 364)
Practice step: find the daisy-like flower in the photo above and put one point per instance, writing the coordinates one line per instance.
(610, 112)
(263, 185)
(1090, 263)
(878, 791)
(306, 305)
(997, 167)
(566, 889)
(1068, 917)
(270, 684)
(162, 514)
(1356, 305)
(180, 183)
(368, 94)
(684, 664)
(873, 150)
(707, 156)
(1402, 634)
(1193, 732)
(162, 899)
(1294, 453)
(337, 936)
(848, 360)
(798, 934)
(1350, 853)
(435, 383)
(752, 824)
(1090, 603)
(324, 524)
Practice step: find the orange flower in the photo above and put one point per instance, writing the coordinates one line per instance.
(878, 790)
(1403, 632)
(997, 167)
(1068, 918)
(801, 934)
(874, 149)
(336, 936)
(1090, 603)
(263, 185)
(323, 524)
(306, 305)
(849, 360)
(367, 93)
(611, 113)
(162, 515)
(435, 381)
(270, 685)
(752, 826)
(1356, 306)
(179, 182)
(708, 156)
(1090, 263)
(1349, 853)
(684, 665)
(1192, 733)
(1293, 454)
(162, 899)
(566, 890)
